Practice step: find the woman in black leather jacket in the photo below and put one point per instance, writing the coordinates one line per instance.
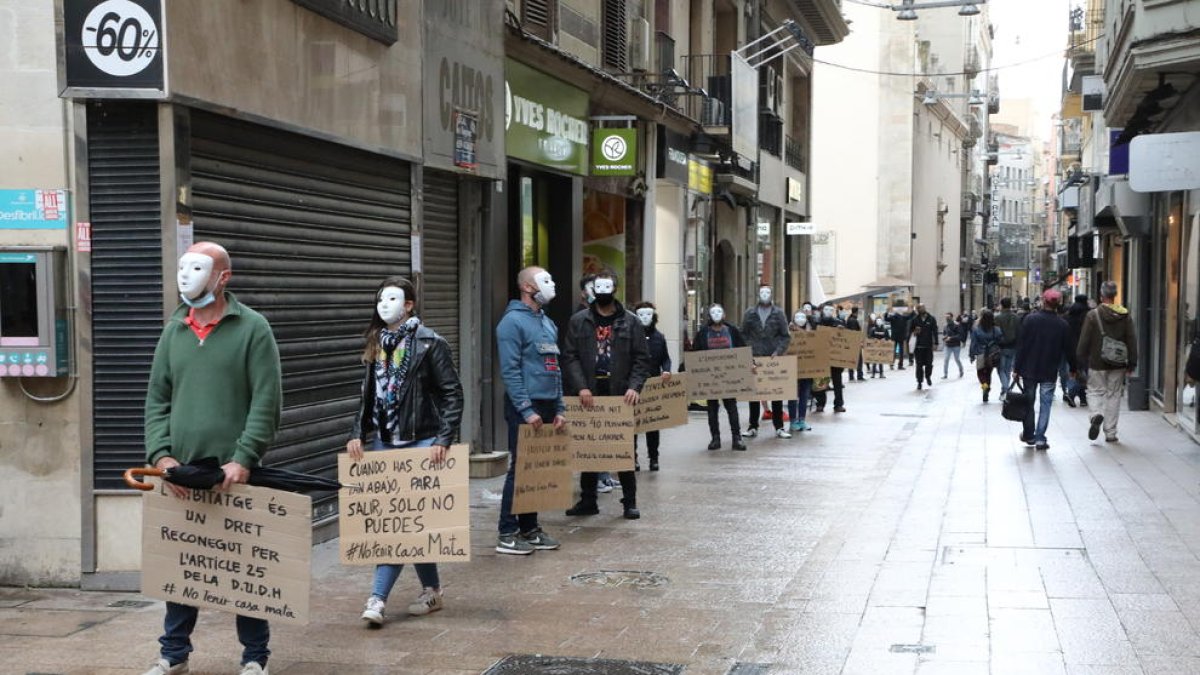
(660, 364)
(411, 398)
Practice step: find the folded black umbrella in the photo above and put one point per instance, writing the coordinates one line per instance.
(206, 473)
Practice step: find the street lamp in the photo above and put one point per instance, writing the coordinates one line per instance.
(973, 99)
(907, 9)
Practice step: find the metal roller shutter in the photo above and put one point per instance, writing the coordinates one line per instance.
(127, 278)
(312, 228)
(439, 232)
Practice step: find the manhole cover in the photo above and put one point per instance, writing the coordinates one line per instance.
(531, 664)
(740, 668)
(912, 649)
(618, 578)
(131, 604)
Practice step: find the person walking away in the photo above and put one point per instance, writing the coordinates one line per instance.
(765, 329)
(798, 409)
(852, 323)
(660, 364)
(1045, 340)
(1010, 325)
(952, 338)
(411, 398)
(605, 354)
(877, 331)
(215, 390)
(898, 319)
(527, 341)
(717, 334)
(1075, 390)
(1105, 330)
(925, 330)
(985, 350)
(835, 374)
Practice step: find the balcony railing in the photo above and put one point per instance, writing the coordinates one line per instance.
(711, 73)
(1085, 27)
(794, 154)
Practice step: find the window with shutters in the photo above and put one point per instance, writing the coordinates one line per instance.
(540, 17)
(616, 35)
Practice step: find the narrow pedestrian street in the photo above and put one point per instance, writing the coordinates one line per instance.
(913, 533)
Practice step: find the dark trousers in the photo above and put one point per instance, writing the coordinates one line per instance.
(756, 412)
(735, 425)
(924, 359)
(176, 641)
(652, 439)
(523, 522)
(589, 479)
(860, 367)
(835, 382)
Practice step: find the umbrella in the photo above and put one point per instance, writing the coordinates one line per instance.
(206, 473)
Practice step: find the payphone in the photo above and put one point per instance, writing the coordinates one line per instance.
(33, 315)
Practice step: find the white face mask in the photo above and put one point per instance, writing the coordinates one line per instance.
(717, 314)
(842, 315)
(391, 305)
(646, 316)
(801, 319)
(828, 312)
(195, 270)
(879, 322)
(764, 295)
(545, 288)
(808, 309)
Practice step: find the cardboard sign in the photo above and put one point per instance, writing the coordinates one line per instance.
(844, 346)
(775, 377)
(601, 436)
(811, 350)
(246, 550)
(543, 474)
(721, 373)
(663, 404)
(399, 507)
(880, 350)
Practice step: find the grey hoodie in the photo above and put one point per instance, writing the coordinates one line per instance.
(529, 358)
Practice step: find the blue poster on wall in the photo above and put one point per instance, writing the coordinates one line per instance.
(33, 209)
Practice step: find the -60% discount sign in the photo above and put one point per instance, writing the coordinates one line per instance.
(120, 37)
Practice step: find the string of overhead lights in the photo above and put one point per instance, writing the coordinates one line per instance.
(982, 70)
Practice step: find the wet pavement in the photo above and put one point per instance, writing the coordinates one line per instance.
(912, 534)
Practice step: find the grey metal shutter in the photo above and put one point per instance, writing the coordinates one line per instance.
(127, 278)
(439, 232)
(312, 228)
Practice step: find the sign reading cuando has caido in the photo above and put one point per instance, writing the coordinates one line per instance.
(545, 120)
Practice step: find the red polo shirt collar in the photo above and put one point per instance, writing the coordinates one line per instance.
(201, 330)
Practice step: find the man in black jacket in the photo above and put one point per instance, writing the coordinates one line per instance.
(898, 320)
(1075, 316)
(829, 318)
(765, 329)
(604, 354)
(1045, 341)
(924, 327)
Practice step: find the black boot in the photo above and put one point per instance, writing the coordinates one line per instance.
(738, 444)
(583, 508)
(715, 444)
(631, 510)
(654, 461)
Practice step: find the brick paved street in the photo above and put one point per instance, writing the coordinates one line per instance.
(911, 534)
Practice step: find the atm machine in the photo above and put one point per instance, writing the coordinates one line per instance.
(34, 340)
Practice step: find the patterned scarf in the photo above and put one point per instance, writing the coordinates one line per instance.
(391, 369)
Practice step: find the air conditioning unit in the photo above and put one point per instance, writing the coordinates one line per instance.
(639, 44)
(772, 90)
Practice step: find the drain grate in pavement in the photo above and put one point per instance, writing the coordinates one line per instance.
(534, 664)
(740, 668)
(131, 604)
(619, 578)
(912, 649)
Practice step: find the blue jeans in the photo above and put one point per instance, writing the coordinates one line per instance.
(386, 575)
(523, 522)
(1007, 357)
(1044, 391)
(180, 621)
(1072, 387)
(952, 352)
(799, 408)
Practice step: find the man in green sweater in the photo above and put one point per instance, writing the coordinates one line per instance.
(214, 391)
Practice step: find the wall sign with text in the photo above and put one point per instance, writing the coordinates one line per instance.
(114, 46)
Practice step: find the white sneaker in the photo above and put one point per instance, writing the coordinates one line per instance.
(428, 602)
(163, 667)
(782, 433)
(253, 668)
(373, 613)
(603, 486)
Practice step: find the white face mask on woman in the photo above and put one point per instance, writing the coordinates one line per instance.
(391, 305)
(646, 316)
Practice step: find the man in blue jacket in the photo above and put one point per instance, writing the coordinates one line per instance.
(1045, 340)
(528, 343)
